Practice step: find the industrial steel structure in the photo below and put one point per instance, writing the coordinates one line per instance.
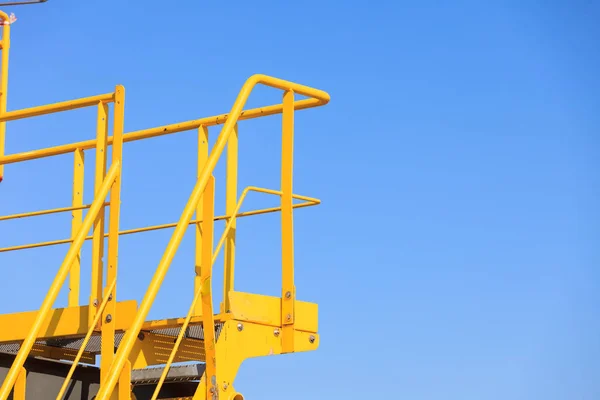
(107, 348)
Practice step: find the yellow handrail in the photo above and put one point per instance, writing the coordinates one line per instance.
(59, 280)
(318, 97)
(56, 107)
(43, 212)
(306, 203)
(86, 340)
(5, 46)
(153, 132)
(214, 258)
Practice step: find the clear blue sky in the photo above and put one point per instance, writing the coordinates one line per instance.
(455, 255)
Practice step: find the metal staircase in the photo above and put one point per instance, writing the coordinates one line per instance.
(42, 352)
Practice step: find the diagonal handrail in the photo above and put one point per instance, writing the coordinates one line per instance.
(59, 280)
(318, 97)
(86, 339)
(198, 293)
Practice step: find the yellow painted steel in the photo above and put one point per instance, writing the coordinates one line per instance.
(86, 339)
(253, 325)
(77, 217)
(318, 97)
(57, 107)
(50, 298)
(108, 315)
(5, 44)
(43, 212)
(288, 291)
(266, 310)
(208, 320)
(20, 385)
(230, 209)
(202, 157)
(234, 348)
(60, 322)
(308, 202)
(161, 130)
(97, 273)
(124, 386)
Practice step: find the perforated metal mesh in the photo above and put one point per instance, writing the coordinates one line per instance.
(94, 345)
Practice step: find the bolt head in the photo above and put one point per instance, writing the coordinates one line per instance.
(288, 295)
(312, 338)
(276, 332)
(240, 327)
(95, 303)
(108, 318)
(288, 317)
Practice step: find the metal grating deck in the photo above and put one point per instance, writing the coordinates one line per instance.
(194, 332)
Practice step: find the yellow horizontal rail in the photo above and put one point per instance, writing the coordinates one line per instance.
(154, 132)
(45, 212)
(198, 293)
(308, 202)
(56, 107)
(318, 97)
(86, 339)
(59, 280)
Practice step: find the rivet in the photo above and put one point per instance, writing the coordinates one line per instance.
(95, 302)
(288, 295)
(276, 332)
(108, 318)
(312, 338)
(240, 327)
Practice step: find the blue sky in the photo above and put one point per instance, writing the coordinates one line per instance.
(455, 253)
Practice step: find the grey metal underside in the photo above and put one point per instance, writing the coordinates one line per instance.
(45, 377)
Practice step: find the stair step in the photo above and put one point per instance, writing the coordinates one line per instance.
(194, 332)
(179, 373)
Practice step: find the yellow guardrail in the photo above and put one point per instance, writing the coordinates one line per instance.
(59, 280)
(318, 97)
(309, 201)
(106, 182)
(115, 367)
(86, 339)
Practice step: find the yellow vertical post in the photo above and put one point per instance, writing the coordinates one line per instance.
(124, 386)
(98, 235)
(108, 317)
(288, 293)
(4, 83)
(77, 219)
(230, 203)
(20, 385)
(202, 157)
(208, 320)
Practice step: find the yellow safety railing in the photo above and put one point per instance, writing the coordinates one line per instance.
(86, 339)
(205, 185)
(115, 368)
(46, 307)
(198, 293)
(106, 182)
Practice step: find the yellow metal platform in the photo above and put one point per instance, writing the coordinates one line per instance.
(114, 332)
